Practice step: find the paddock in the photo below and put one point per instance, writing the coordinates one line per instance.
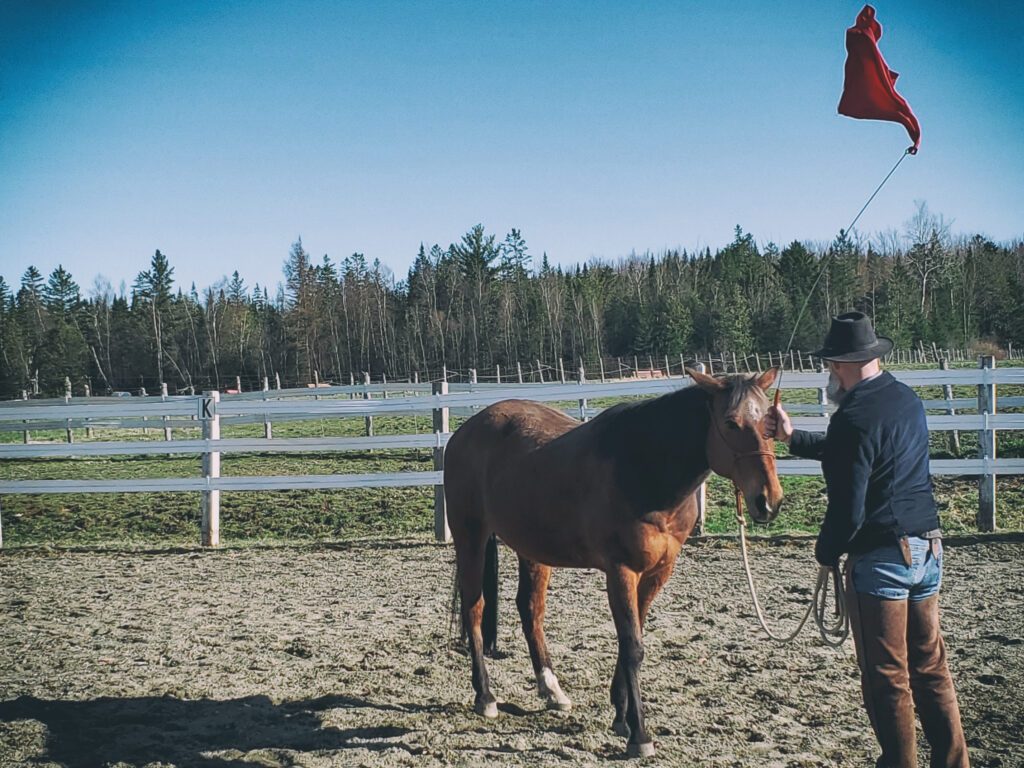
(343, 655)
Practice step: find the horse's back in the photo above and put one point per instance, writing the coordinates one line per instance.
(498, 438)
(509, 428)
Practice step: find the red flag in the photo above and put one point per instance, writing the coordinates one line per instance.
(869, 90)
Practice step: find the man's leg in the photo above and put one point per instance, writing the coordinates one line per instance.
(932, 685)
(879, 628)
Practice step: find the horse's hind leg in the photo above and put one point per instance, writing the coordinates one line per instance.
(469, 555)
(531, 599)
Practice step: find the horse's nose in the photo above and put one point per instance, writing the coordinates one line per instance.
(765, 512)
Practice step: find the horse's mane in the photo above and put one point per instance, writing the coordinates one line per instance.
(658, 445)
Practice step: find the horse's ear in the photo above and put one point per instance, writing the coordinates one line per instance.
(705, 382)
(766, 379)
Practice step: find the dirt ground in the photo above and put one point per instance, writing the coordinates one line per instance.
(341, 655)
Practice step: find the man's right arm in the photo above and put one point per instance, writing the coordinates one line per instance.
(807, 445)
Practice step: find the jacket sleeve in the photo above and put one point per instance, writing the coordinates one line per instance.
(807, 445)
(850, 459)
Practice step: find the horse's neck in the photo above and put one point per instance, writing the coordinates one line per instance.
(660, 449)
(688, 412)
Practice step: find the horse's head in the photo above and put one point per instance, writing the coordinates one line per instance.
(736, 447)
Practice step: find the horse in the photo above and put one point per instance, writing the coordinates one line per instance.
(616, 493)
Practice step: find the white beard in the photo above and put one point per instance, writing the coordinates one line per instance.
(834, 389)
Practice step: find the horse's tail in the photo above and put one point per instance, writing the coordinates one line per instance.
(489, 625)
(454, 608)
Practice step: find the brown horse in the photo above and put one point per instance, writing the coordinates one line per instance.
(616, 493)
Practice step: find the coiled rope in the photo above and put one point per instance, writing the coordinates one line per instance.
(833, 631)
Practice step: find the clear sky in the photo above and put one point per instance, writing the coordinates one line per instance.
(219, 132)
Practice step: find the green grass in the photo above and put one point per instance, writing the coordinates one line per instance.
(173, 518)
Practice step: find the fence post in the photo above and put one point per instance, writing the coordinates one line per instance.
(600, 363)
(561, 370)
(947, 392)
(366, 396)
(582, 378)
(441, 532)
(163, 396)
(211, 469)
(497, 373)
(987, 449)
(24, 396)
(277, 381)
(88, 429)
(67, 399)
(142, 393)
(540, 372)
(268, 427)
(519, 371)
(702, 491)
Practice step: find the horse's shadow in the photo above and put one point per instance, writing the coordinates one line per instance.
(149, 729)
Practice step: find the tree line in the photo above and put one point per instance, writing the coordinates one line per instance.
(481, 302)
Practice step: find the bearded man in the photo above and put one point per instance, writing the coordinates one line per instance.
(882, 513)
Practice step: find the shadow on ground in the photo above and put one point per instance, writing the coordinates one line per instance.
(202, 732)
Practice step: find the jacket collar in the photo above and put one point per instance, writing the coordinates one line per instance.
(867, 388)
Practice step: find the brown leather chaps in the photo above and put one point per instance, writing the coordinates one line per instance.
(902, 660)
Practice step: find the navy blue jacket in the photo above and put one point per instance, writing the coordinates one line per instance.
(875, 461)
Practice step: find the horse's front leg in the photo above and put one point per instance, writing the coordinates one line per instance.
(648, 587)
(622, 596)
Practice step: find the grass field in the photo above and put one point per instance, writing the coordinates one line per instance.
(173, 518)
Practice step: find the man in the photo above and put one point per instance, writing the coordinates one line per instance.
(882, 512)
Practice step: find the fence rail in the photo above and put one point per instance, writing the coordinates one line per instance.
(398, 399)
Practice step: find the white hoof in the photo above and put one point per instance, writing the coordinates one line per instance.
(488, 709)
(640, 750)
(620, 728)
(551, 691)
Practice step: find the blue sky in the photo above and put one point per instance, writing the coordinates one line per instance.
(219, 132)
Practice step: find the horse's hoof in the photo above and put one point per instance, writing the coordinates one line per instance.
(620, 728)
(487, 709)
(559, 706)
(640, 750)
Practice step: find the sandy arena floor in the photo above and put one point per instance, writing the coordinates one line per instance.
(330, 656)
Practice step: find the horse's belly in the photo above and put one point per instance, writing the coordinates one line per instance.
(546, 518)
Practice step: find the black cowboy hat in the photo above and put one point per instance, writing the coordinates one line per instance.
(851, 339)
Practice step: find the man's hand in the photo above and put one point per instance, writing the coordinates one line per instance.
(777, 424)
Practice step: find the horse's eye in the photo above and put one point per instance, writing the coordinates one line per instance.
(731, 424)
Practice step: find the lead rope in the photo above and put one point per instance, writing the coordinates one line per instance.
(833, 633)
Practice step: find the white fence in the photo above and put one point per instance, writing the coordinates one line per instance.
(210, 412)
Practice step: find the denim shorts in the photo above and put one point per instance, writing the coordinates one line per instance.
(883, 572)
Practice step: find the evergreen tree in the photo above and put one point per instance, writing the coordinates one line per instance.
(61, 295)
